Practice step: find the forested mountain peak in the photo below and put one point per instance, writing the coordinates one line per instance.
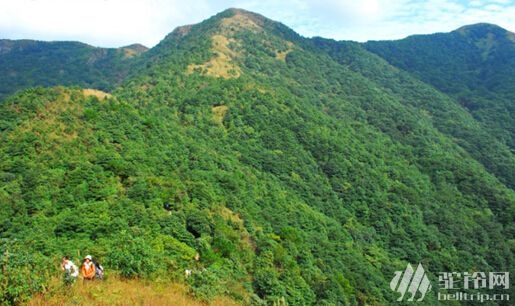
(474, 64)
(241, 18)
(221, 44)
(134, 50)
(482, 30)
(229, 21)
(27, 63)
(491, 39)
(275, 168)
(28, 45)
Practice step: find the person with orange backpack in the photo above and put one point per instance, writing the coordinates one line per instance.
(88, 269)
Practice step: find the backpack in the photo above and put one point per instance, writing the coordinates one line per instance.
(99, 270)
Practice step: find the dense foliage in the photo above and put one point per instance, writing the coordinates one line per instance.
(295, 175)
(28, 63)
(473, 64)
(450, 118)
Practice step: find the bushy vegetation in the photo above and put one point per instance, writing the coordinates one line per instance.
(23, 273)
(303, 180)
(473, 64)
(27, 63)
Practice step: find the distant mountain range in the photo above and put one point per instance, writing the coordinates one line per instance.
(29, 63)
(276, 168)
(474, 65)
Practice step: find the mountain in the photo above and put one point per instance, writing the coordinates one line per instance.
(474, 64)
(28, 63)
(472, 134)
(301, 171)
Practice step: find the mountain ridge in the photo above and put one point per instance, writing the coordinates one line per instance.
(278, 169)
(28, 63)
(479, 63)
(138, 49)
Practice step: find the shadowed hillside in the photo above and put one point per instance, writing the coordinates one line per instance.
(474, 64)
(28, 63)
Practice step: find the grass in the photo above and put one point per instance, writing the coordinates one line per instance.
(222, 64)
(219, 113)
(116, 291)
(97, 93)
(281, 55)
(241, 20)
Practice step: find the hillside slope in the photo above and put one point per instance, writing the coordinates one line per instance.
(293, 175)
(474, 64)
(28, 63)
(446, 114)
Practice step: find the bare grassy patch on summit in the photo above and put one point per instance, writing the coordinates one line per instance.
(96, 93)
(240, 21)
(221, 65)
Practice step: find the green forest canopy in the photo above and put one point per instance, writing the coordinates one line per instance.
(299, 169)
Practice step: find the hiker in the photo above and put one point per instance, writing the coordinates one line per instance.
(99, 270)
(70, 270)
(88, 269)
(187, 273)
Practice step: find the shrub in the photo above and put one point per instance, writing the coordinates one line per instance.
(22, 273)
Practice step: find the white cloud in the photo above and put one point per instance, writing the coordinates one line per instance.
(100, 22)
(493, 8)
(121, 22)
(347, 11)
(400, 18)
(502, 1)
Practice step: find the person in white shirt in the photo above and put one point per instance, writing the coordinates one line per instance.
(70, 270)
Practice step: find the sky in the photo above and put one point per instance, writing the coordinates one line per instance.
(116, 23)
